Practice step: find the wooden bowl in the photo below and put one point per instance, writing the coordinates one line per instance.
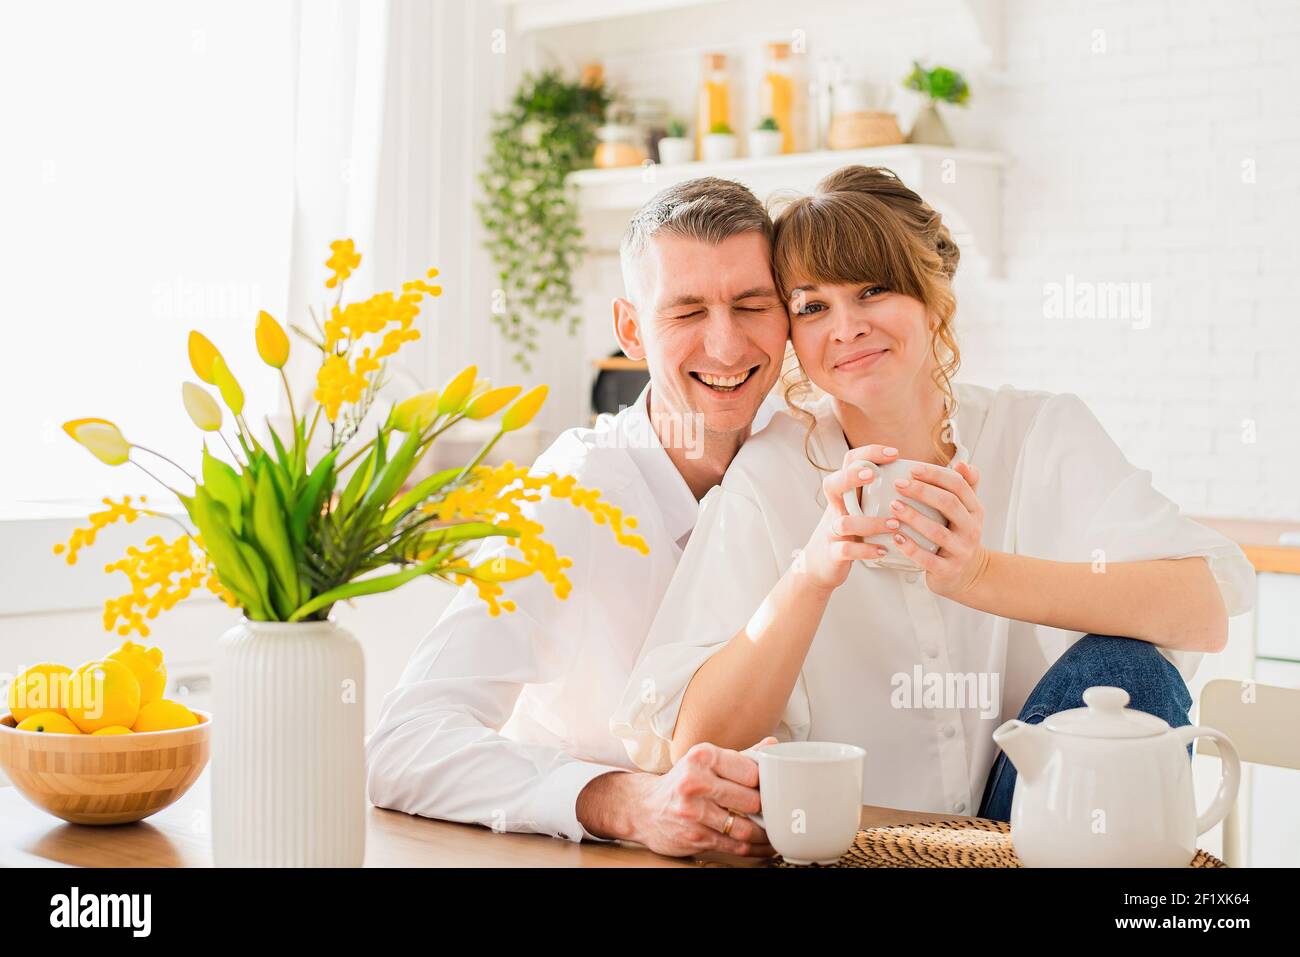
(104, 779)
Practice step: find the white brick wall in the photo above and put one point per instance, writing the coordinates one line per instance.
(1133, 130)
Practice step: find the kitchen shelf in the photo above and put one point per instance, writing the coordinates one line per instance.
(531, 15)
(619, 364)
(963, 184)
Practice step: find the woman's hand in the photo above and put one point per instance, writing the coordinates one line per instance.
(837, 541)
(961, 560)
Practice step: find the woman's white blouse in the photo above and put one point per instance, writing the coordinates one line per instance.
(917, 680)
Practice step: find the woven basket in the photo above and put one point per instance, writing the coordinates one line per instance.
(852, 131)
(972, 842)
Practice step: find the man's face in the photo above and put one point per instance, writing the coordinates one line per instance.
(712, 327)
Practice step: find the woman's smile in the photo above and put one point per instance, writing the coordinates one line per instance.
(860, 359)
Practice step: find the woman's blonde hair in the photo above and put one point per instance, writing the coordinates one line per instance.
(862, 224)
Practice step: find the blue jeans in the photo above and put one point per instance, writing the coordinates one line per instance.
(1154, 686)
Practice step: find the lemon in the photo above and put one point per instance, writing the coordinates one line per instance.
(104, 692)
(48, 722)
(39, 688)
(111, 729)
(147, 664)
(164, 715)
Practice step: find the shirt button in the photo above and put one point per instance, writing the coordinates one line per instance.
(931, 652)
(959, 807)
(949, 731)
(911, 578)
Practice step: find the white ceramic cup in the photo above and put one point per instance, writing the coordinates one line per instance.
(811, 794)
(876, 497)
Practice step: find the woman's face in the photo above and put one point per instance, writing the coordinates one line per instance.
(859, 342)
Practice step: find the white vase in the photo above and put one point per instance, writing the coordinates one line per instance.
(288, 746)
(675, 150)
(765, 143)
(718, 147)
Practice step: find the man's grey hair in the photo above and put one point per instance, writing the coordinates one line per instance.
(708, 209)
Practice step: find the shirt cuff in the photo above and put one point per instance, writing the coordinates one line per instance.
(556, 810)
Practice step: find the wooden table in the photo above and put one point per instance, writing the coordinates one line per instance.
(1261, 541)
(180, 836)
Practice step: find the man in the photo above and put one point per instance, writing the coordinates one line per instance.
(505, 721)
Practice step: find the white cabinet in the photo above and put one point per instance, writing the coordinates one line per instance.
(1274, 808)
(1278, 616)
(1263, 646)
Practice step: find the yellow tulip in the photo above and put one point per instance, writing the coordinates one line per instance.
(457, 390)
(102, 439)
(230, 390)
(202, 352)
(272, 343)
(491, 402)
(202, 408)
(502, 570)
(417, 412)
(72, 425)
(522, 412)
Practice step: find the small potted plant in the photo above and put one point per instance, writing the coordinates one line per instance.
(676, 147)
(719, 144)
(940, 84)
(766, 139)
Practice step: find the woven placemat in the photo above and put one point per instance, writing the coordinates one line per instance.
(973, 842)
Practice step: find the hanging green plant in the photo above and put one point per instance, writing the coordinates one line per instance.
(530, 215)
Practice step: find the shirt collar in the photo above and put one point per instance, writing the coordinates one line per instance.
(833, 441)
(952, 433)
(677, 504)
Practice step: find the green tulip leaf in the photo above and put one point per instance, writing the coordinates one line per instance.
(223, 484)
(273, 539)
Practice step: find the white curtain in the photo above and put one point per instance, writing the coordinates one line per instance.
(339, 56)
(394, 100)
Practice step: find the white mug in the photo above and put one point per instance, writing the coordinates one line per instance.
(811, 793)
(876, 497)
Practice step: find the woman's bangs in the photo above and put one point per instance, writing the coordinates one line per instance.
(819, 243)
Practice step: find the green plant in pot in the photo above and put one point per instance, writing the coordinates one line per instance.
(765, 139)
(940, 85)
(676, 147)
(528, 212)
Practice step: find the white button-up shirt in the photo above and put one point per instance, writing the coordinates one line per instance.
(503, 721)
(917, 680)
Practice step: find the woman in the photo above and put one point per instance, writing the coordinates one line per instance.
(1054, 545)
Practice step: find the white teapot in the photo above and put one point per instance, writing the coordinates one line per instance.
(1107, 786)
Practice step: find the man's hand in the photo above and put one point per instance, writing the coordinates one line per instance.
(683, 812)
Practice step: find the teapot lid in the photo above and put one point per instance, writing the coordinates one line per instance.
(1106, 715)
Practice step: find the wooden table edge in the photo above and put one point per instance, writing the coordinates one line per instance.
(179, 836)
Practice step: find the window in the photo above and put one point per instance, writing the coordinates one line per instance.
(145, 189)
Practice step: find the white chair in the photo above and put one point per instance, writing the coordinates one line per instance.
(1262, 721)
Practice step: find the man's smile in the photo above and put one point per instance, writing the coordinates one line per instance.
(722, 382)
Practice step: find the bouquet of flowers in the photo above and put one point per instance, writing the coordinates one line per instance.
(284, 538)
